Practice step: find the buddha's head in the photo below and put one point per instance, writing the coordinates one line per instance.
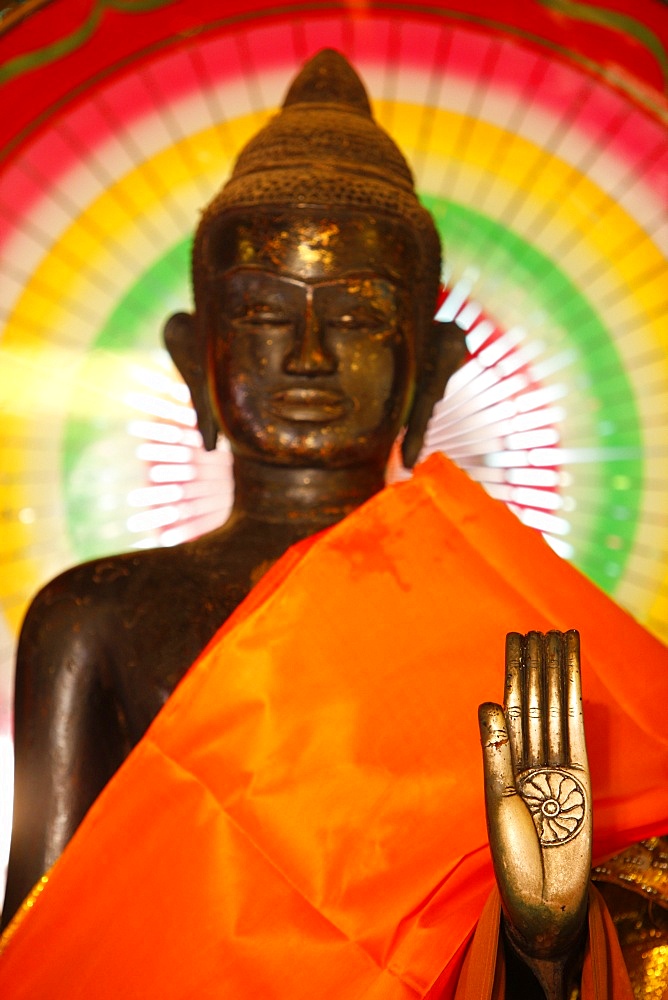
(316, 274)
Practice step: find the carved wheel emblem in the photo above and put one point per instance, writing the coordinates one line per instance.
(556, 800)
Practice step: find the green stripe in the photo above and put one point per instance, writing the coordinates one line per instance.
(604, 392)
(613, 19)
(131, 329)
(64, 46)
(608, 494)
(621, 80)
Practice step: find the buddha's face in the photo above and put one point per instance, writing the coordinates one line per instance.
(312, 355)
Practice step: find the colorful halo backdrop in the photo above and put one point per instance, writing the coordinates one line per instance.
(537, 141)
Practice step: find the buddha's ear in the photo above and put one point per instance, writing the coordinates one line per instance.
(442, 354)
(183, 343)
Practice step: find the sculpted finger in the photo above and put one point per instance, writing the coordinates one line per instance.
(497, 758)
(513, 704)
(556, 678)
(576, 735)
(533, 665)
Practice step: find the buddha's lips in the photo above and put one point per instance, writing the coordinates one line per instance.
(315, 405)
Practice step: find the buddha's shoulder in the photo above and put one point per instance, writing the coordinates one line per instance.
(104, 594)
(91, 585)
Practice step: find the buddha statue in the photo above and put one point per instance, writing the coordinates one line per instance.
(312, 348)
(312, 345)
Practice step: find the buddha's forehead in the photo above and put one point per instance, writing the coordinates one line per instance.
(313, 245)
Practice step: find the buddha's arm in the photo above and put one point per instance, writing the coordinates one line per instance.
(538, 801)
(64, 731)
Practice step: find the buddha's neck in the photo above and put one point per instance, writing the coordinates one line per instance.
(308, 498)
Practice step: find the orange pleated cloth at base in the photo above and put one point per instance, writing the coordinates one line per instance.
(305, 818)
(483, 974)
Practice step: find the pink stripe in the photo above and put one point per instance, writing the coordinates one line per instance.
(327, 32)
(519, 71)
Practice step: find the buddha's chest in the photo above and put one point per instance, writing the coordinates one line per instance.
(150, 652)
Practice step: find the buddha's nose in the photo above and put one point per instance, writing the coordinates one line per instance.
(309, 356)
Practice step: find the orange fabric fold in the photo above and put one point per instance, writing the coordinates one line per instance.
(604, 976)
(306, 817)
(483, 974)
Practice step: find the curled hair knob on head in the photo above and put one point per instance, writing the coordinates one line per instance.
(328, 78)
(324, 150)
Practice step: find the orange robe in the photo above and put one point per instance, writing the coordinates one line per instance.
(305, 817)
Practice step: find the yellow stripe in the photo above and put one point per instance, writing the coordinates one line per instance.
(87, 244)
(603, 227)
(611, 227)
(602, 224)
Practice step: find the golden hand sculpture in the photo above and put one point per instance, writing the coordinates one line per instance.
(538, 801)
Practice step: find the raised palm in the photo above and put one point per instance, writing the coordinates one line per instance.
(537, 795)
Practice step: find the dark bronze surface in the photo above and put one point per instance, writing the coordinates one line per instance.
(311, 346)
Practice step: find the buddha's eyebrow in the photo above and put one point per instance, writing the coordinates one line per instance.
(300, 282)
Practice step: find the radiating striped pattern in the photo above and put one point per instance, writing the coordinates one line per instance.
(549, 187)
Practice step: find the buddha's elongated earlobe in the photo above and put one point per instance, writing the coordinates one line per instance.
(443, 352)
(183, 344)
